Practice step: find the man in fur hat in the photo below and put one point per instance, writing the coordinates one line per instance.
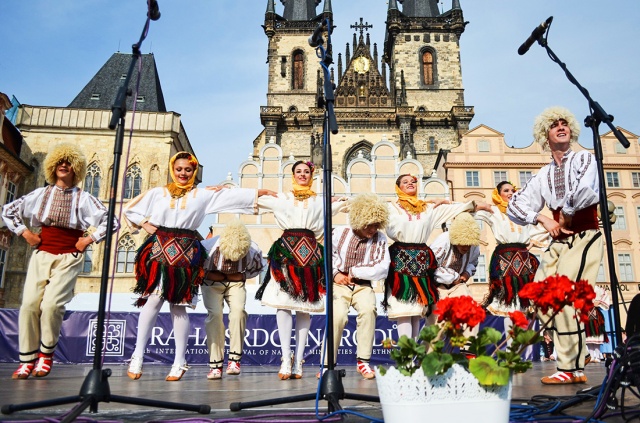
(70, 219)
(233, 258)
(457, 253)
(569, 187)
(360, 256)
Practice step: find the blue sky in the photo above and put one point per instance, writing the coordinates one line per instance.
(211, 58)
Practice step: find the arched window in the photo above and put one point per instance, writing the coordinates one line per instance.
(298, 70)
(86, 264)
(361, 150)
(126, 255)
(92, 180)
(133, 182)
(427, 68)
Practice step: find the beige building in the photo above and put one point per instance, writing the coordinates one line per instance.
(483, 159)
(157, 135)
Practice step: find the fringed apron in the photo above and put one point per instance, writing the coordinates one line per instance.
(296, 264)
(411, 274)
(512, 266)
(170, 263)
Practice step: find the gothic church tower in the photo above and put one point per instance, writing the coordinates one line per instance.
(410, 96)
(291, 118)
(422, 50)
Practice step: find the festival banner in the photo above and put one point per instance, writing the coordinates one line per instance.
(261, 342)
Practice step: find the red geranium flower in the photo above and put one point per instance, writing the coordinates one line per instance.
(460, 311)
(519, 319)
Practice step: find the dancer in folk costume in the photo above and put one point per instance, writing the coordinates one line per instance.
(569, 186)
(512, 266)
(233, 258)
(70, 219)
(295, 281)
(457, 253)
(410, 288)
(169, 264)
(360, 256)
(595, 330)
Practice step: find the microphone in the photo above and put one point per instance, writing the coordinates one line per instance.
(154, 10)
(316, 38)
(535, 36)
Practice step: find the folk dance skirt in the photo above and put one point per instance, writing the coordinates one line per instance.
(595, 330)
(170, 263)
(512, 266)
(410, 285)
(295, 280)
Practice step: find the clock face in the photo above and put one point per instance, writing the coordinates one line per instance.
(361, 64)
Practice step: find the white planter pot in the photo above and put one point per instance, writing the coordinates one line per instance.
(453, 397)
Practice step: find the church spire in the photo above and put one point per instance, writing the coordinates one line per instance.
(327, 7)
(456, 5)
(420, 8)
(271, 6)
(300, 10)
(393, 5)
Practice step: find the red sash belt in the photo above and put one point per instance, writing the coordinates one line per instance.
(57, 240)
(583, 220)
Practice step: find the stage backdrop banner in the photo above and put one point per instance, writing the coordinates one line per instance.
(262, 343)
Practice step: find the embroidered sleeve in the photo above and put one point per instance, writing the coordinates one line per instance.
(23, 208)
(375, 265)
(94, 214)
(255, 262)
(527, 202)
(583, 183)
(441, 247)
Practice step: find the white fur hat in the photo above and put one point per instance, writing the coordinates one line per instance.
(464, 230)
(367, 209)
(70, 153)
(550, 115)
(235, 240)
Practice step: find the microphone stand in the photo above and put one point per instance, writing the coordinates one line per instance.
(593, 121)
(95, 388)
(331, 388)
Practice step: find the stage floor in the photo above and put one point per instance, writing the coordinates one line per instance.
(255, 383)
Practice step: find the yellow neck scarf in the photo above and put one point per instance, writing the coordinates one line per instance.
(410, 203)
(301, 192)
(178, 190)
(499, 201)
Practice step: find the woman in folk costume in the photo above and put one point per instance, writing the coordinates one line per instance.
(596, 331)
(512, 266)
(410, 288)
(295, 281)
(169, 264)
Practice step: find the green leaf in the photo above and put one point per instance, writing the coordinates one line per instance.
(527, 337)
(429, 333)
(489, 335)
(436, 363)
(488, 372)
